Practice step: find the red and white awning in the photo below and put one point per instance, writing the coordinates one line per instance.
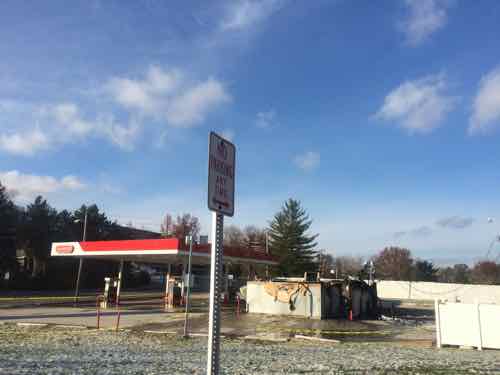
(170, 250)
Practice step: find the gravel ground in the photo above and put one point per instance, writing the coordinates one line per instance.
(65, 351)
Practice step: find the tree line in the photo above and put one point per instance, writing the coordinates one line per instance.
(288, 237)
(31, 229)
(396, 263)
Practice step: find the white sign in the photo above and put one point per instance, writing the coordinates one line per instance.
(221, 163)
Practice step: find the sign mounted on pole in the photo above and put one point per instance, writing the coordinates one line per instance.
(221, 173)
(221, 163)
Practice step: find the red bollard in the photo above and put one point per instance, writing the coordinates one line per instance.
(118, 319)
(350, 315)
(98, 307)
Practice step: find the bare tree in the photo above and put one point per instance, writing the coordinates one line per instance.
(394, 263)
(166, 227)
(326, 263)
(234, 236)
(459, 273)
(186, 225)
(348, 266)
(254, 237)
(486, 272)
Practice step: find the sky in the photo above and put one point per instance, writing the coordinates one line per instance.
(382, 118)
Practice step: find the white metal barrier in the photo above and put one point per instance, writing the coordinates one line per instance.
(464, 324)
(421, 290)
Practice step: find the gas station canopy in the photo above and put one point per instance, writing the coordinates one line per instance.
(168, 251)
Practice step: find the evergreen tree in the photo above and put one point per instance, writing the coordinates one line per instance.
(425, 271)
(289, 241)
(8, 221)
(37, 231)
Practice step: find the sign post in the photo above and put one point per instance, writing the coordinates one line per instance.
(221, 173)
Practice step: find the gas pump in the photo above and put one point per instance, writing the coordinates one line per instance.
(173, 292)
(110, 289)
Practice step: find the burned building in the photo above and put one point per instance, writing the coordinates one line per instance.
(322, 299)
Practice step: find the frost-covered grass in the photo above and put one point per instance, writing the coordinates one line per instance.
(47, 350)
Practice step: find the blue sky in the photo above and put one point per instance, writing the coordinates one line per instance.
(383, 118)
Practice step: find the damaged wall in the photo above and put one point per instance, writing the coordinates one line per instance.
(296, 299)
(328, 299)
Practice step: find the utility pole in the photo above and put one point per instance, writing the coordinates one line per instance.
(267, 252)
(186, 314)
(80, 264)
(371, 272)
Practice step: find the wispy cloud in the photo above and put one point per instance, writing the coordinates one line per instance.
(68, 118)
(72, 126)
(243, 14)
(418, 106)
(26, 186)
(191, 107)
(455, 222)
(168, 95)
(266, 119)
(400, 234)
(449, 222)
(145, 94)
(25, 143)
(424, 17)
(419, 232)
(308, 161)
(165, 96)
(486, 109)
(59, 124)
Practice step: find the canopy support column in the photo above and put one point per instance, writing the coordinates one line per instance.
(119, 286)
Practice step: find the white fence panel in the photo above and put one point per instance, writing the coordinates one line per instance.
(421, 290)
(463, 324)
(490, 325)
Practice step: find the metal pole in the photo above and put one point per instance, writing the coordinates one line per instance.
(85, 225)
(77, 287)
(80, 264)
(215, 281)
(267, 253)
(119, 286)
(267, 242)
(186, 314)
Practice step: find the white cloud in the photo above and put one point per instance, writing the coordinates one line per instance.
(71, 182)
(63, 123)
(27, 143)
(424, 18)
(120, 135)
(27, 186)
(486, 112)
(145, 95)
(418, 106)
(266, 119)
(191, 107)
(243, 14)
(307, 161)
(67, 116)
(169, 95)
(162, 96)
